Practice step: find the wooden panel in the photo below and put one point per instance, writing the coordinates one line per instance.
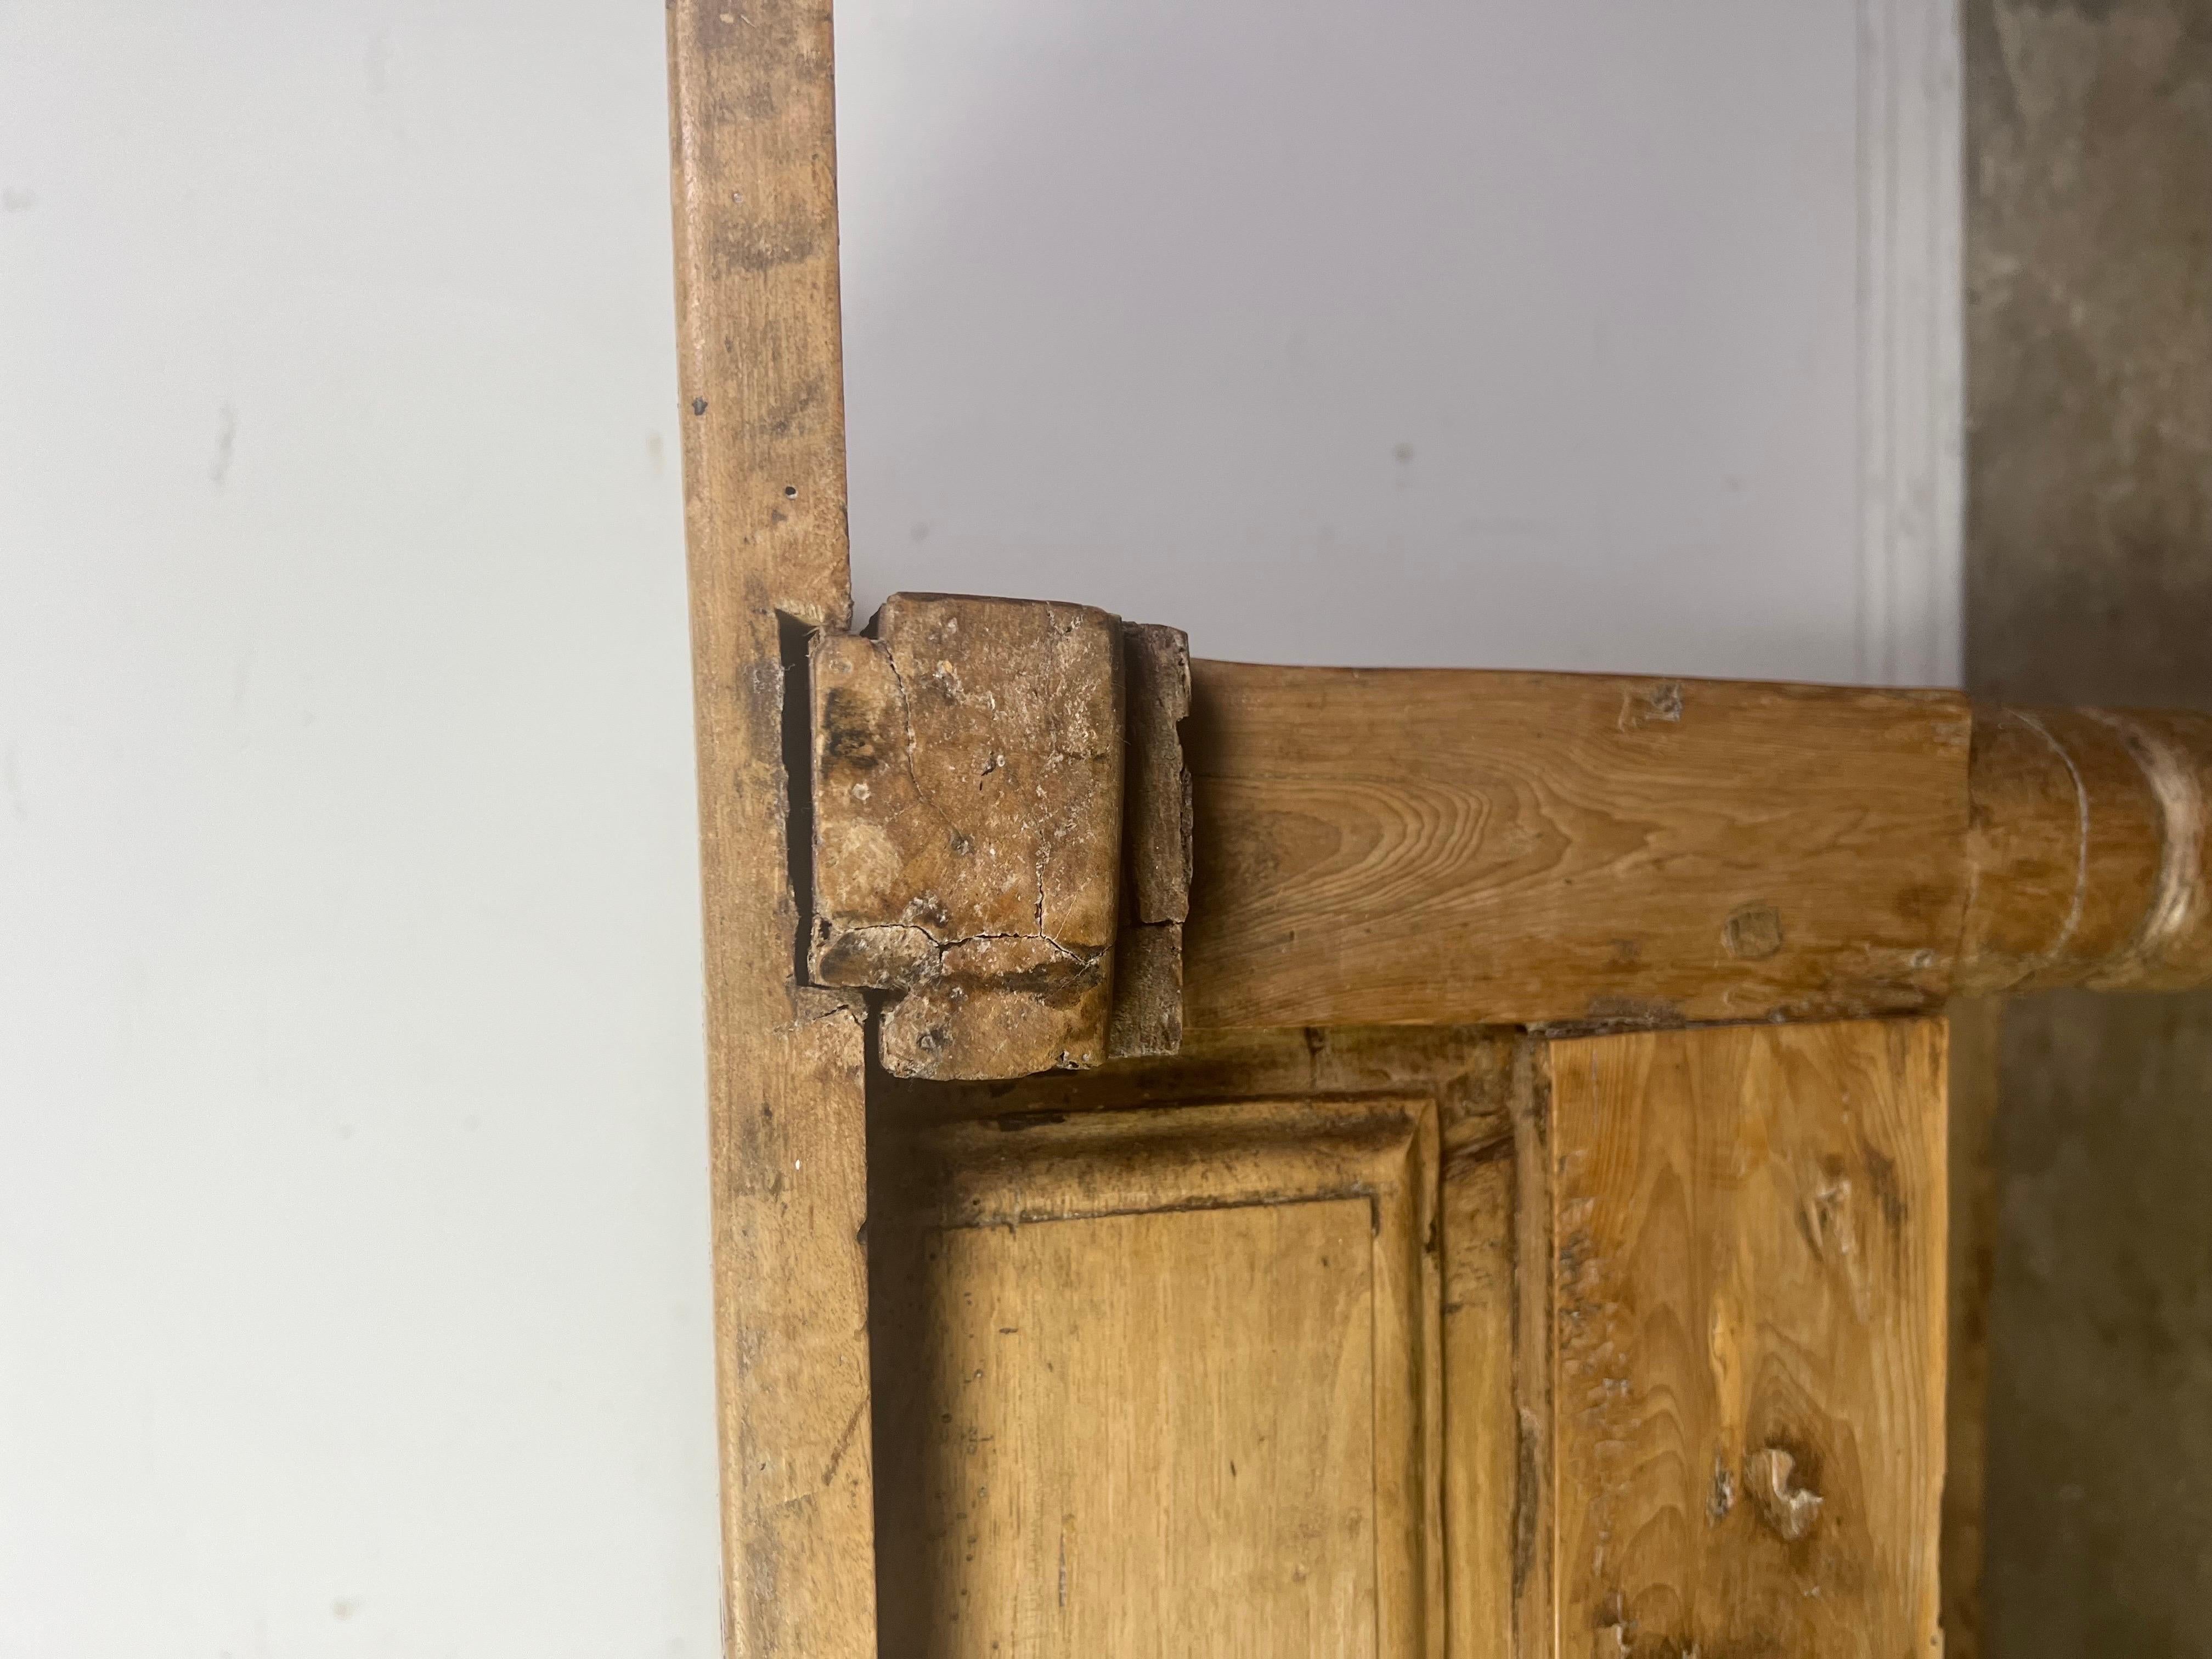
(1449, 846)
(1163, 1382)
(762, 424)
(1749, 1376)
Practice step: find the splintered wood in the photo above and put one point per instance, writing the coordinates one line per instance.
(969, 842)
(1749, 1323)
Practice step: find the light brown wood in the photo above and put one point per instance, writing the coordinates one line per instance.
(1976, 1030)
(2089, 851)
(1750, 1361)
(1463, 846)
(1164, 1382)
(1536, 1491)
(764, 509)
(1482, 1419)
(967, 838)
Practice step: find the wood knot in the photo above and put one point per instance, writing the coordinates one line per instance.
(1657, 704)
(1753, 932)
(1788, 1509)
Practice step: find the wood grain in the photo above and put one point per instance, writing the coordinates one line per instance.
(764, 511)
(1461, 846)
(1482, 1425)
(1163, 1382)
(2090, 851)
(1749, 1377)
(1155, 845)
(1976, 1032)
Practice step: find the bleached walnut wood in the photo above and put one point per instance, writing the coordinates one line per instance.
(1750, 1375)
(968, 798)
(2089, 851)
(1163, 1382)
(1466, 845)
(763, 421)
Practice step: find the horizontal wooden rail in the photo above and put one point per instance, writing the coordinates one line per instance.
(1430, 846)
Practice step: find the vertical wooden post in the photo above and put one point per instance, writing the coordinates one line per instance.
(761, 382)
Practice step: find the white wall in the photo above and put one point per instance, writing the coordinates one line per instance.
(353, 1290)
(353, 1279)
(1586, 334)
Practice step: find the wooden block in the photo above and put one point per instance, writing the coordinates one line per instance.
(1164, 1382)
(1156, 844)
(968, 762)
(1749, 1372)
(1431, 845)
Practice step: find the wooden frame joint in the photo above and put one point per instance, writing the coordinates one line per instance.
(1001, 832)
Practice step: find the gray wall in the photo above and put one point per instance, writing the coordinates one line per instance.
(2089, 578)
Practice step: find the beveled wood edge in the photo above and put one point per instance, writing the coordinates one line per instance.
(1039, 1168)
(1027, 1169)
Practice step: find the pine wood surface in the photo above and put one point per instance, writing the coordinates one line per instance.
(1165, 1382)
(1749, 1374)
(1473, 846)
(762, 421)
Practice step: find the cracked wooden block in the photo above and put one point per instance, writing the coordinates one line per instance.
(967, 840)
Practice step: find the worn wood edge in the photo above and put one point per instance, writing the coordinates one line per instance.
(1156, 846)
(968, 786)
(1021, 1169)
(1536, 1632)
(2089, 851)
(1976, 1027)
(1481, 1406)
(752, 179)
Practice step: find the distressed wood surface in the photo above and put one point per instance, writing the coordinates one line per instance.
(1464, 846)
(1482, 1427)
(1155, 845)
(1443, 1062)
(764, 511)
(1976, 1028)
(2090, 851)
(967, 836)
(1749, 1372)
(1164, 1381)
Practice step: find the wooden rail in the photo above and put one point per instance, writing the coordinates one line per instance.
(1415, 846)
